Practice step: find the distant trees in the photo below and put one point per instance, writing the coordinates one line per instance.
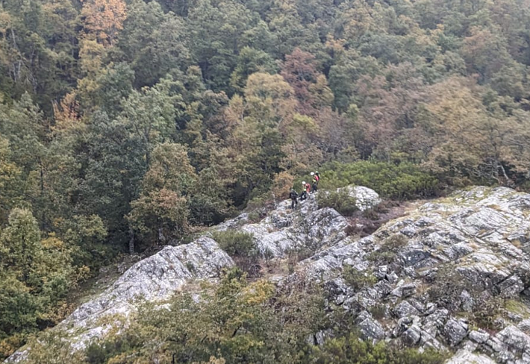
(249, 91)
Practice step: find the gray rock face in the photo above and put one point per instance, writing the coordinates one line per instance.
(308, 228)
(156, 278)
(483, 234)
(153, 279)
(366, 198)
(479, 336)
(369, 327)
(455, 331)
(466, 357)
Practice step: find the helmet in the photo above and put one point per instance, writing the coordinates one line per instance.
(303, 182)
(316, 172)
(312, 173)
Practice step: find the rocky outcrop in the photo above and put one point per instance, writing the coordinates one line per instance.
(427, 279)
(153, 279)
(309, 227)
(480, 237)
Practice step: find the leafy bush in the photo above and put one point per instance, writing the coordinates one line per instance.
(235, 243)
(347, 350)
(340, 201)
(398, 181)
(240, 322)
(240, 246)
(389, 249)
(358, 279)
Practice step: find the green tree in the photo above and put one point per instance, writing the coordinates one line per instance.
(20, 244)
(152, 43)
(161, 211)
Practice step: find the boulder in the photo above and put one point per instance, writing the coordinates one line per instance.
(455, 331)
(514, 340)
(405, 309)
(466, 357)
(412, 335)
(369, 327)
(479, 336)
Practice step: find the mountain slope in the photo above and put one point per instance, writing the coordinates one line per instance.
(452, 275)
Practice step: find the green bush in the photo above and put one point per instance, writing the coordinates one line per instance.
(389, 249)
(358, 279)
(347, 350)
(397, 181)
(235, 243)
(340, 201)
(241, 247)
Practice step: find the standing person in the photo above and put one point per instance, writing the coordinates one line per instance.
(294, 198)
(316, 177)
(307, 187)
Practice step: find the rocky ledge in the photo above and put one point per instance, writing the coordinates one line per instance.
(309, 227)
(152, 279)
(452, 274)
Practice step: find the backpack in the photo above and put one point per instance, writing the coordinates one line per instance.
(317, 177)
(293, 195)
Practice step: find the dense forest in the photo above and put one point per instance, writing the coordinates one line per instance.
(129, 124)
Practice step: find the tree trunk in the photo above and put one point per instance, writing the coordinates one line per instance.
(131, 241)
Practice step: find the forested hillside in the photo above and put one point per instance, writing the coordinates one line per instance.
(128, 124)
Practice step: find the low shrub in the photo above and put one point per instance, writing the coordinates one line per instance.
(339, 200)
(235, 243)
(240, 246)
(349, 349)
(358, 279)
(389, 250)
(396, 181)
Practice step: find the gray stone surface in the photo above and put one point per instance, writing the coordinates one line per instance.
(455, 331)
(370, 328)
(152, 279)
(307, 228)
(466, 357)
(482, 233)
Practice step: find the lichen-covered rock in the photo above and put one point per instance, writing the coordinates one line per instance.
(369, 327)
(405, 309)
(455, 331)
(365, 198)
(466, 357)
(515, 340)
(307, 228)
(152, 279)
(479, 336)
(483, 235)
(412, 335)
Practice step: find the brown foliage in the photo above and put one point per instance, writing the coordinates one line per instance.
(104, 19)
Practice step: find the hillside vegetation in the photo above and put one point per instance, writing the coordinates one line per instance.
(126, 125)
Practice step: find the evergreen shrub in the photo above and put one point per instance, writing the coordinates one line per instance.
(395, 181)
(338, 200)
